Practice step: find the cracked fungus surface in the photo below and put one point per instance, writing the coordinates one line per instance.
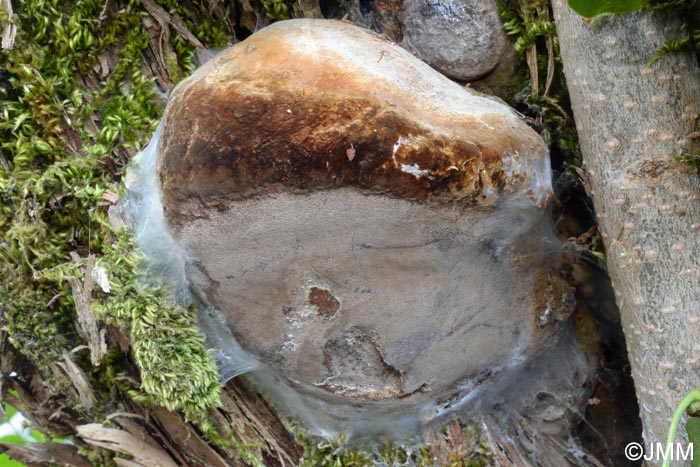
(373, 247)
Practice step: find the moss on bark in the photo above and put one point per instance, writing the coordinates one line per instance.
(79, 97)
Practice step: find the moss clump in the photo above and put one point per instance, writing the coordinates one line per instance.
(276, 9)
(692, 159)
(472, 450)
(177, 371)
(78, 98)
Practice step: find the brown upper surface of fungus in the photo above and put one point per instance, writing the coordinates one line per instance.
(283, 109)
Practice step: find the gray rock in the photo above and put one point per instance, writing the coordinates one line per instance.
(463, 39)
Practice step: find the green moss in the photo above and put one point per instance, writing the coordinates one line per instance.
(524, 22)
(687, 38)
(177, 371)
(276, 9)
(318, 452)
(67, 130)
(692, 159)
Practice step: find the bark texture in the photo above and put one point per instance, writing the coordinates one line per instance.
(632, 119)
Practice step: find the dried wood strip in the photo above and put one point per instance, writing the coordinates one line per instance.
(175, 21)
(87, 324)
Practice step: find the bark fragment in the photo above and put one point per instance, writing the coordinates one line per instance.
(9, 30)
(122, 441)
(87, 324)
(164, 18)
(46, 454)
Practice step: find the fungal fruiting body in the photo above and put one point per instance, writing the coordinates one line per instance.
(365, 228)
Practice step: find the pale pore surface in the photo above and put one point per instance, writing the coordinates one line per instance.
(407, 297)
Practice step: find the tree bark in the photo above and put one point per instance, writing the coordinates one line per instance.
(632, 119)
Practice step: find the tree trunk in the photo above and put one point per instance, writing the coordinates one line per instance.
(632, 119)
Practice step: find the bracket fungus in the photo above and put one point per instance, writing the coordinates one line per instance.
(366, 228)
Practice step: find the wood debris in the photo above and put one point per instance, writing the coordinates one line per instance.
(163, 18)
(87, 324)
(9, 30)
(80, 381)
(121, 441)
(46, 454)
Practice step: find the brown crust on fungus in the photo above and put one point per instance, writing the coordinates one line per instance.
(326, 304)
(264, 146)
(281, 112)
